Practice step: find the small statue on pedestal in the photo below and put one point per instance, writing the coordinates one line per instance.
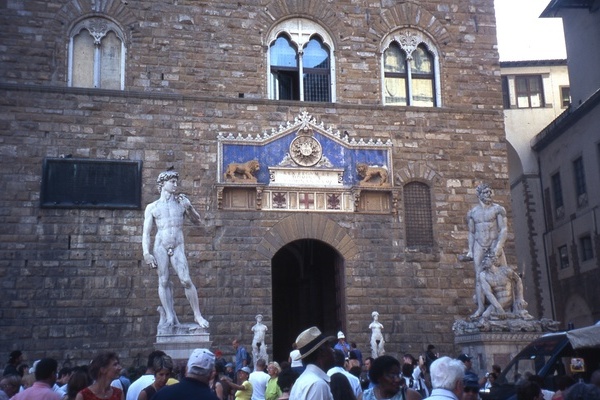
(377, 340)
(259, 348)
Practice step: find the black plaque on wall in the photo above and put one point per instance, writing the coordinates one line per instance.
(85, 183)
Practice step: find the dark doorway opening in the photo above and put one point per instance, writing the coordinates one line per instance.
(308, 290)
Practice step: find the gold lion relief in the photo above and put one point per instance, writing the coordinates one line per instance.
(372, 175)
(242, 172)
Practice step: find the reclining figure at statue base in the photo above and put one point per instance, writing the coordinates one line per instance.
(503, 290)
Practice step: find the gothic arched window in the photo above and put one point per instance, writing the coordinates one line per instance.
(97, 55)
(410, 71)
(301, 66)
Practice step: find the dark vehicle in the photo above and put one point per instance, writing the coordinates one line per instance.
(575, 353)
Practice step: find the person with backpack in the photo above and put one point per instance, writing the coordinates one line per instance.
(242, 358)
(122, 382)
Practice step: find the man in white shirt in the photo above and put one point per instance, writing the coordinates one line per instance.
(259, 379)
(317, 356)
(339, 360)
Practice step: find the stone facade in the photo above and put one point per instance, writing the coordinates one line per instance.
(73, 279)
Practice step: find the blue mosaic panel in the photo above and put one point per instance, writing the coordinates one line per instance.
(272, 154)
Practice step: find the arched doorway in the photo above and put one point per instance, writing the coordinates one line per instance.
(308, 290)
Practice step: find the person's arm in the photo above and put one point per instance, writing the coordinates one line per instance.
(244, 355)
(142, 395)
(519, 303)
(79, 396)
(487, 291)
(502, 231)
(237, 387)
(471, 238)
(412, 395)
(190, 211)
(146, 232)
(219, 390)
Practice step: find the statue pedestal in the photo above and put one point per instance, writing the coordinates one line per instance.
(260, 354)
(180, 340)
(488, 348)
(497, 341)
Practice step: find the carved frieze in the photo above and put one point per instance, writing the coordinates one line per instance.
(305, 166)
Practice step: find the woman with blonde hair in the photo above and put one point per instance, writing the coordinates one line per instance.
(272, 392)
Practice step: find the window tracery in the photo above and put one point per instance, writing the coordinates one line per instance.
(301, 63)
(97, 55)
(411, 72)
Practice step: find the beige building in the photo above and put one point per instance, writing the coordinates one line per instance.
(555, 183)
(569, 157)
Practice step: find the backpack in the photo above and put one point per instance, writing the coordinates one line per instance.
(249, 359)
(125, 384)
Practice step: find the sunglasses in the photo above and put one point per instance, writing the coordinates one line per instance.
(471, 390)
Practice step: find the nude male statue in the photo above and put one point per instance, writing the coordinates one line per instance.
(503, 289)
(259, 332)
(259, 349)
(487, 232)
(168, 214)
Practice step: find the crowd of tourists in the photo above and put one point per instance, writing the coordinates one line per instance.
(317, 369)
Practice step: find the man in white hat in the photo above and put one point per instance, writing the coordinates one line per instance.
(195, 384)
(317, 356)
(342, 344)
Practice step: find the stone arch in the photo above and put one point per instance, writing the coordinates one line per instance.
(116, 10)
(279, 10)
(419, 171)
(410, 14)
(307, 226)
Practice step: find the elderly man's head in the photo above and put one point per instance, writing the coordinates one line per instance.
(200, 365)
(447, 373)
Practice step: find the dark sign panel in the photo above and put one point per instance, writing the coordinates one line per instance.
(84, 183)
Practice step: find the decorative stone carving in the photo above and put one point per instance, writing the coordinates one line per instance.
(377, 340)
(306, 151)
(462, 327)
(372, 175)
(304, 166)
(242, 172)
(409, 40)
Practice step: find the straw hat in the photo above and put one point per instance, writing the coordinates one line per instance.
(310, 340)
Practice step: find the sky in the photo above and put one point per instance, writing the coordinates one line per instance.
(522, 35)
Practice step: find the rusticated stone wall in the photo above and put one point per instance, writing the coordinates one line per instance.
(73, 280)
